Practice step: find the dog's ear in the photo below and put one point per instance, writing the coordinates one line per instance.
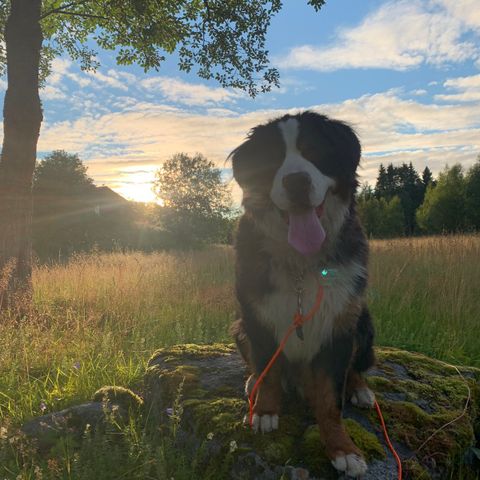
(256, 160)
(339, 140)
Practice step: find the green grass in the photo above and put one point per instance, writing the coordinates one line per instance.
(98, 319)
(425, 296)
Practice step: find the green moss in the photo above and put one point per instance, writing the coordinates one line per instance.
(381, 384)
(280, 446)
(121, 396)
(427, 383)
(223, 417)
(412, 426)
(220, 416)
(313, 452)
(421, 366)
(414, 471)
(226, 391)
(444, 391)
(178, 353)
(170, 380)
(367, 442)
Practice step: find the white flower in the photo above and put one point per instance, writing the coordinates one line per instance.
(233, 446)
(209, 436)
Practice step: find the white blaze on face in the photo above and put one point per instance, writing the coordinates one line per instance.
(294, 163)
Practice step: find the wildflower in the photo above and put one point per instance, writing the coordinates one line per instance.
(209, 436)
(233, 446)
(38, 473)
(169, 412)
(53, 466)
(43, 406)
(76, 365)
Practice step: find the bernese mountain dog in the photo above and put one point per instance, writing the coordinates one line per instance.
(300, 229)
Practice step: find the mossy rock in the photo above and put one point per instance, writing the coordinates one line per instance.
(418, 396)
(110, 407)
(121, 396)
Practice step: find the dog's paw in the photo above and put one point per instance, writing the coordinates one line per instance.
(352, 464)
(263, 423)
(363, 398)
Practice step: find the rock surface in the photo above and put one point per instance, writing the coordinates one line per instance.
(198, 392)
(109, 403)
(201, 387)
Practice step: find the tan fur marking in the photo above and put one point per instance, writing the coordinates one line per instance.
(320, 393)
(269, 393)
(355, 381)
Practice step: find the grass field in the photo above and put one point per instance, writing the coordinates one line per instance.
(98, 319)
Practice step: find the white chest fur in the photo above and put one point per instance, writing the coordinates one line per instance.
(277, 309)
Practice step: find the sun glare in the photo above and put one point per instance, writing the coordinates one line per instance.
(136, 184)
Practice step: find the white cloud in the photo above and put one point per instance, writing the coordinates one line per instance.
(399, 35)
(59, 68)
(117, 145)
(99, 80)
(194, 94)
(466, 11)
(81, 79)
(467, 89)
(49, 92)
(419, 92)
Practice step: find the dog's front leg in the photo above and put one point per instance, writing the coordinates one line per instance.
(267, 401)
(324, 387)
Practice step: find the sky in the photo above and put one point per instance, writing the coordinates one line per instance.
(404, 73)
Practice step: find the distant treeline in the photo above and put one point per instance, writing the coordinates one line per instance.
(403, 203)
(73, 215)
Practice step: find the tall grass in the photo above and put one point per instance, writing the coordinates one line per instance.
(99, 318)
(425, 296)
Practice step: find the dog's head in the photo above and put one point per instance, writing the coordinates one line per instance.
(302, 170)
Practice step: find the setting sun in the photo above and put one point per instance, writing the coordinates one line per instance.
(136, 184)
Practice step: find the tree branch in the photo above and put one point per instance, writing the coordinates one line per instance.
(79, 14)
(63, 7)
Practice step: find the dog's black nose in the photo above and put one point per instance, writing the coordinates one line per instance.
(297, 181)
(298, 187)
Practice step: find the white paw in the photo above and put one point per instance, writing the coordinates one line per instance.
(352, 464)
(264, 423)
(363, 398)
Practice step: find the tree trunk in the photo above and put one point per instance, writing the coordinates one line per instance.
(22, 119)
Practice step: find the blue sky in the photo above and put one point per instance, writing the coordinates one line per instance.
(405, 74)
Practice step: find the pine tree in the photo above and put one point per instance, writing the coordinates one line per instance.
(381, 185)
(427, 178)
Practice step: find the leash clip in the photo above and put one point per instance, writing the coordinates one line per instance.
(299, 313)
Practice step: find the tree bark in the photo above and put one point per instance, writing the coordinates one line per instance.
(22, 119)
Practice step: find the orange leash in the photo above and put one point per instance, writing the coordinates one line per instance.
(298, 321)
(389, 443)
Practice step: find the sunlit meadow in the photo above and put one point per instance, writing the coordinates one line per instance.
(98, 318)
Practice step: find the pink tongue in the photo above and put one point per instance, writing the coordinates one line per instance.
(305, 232)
